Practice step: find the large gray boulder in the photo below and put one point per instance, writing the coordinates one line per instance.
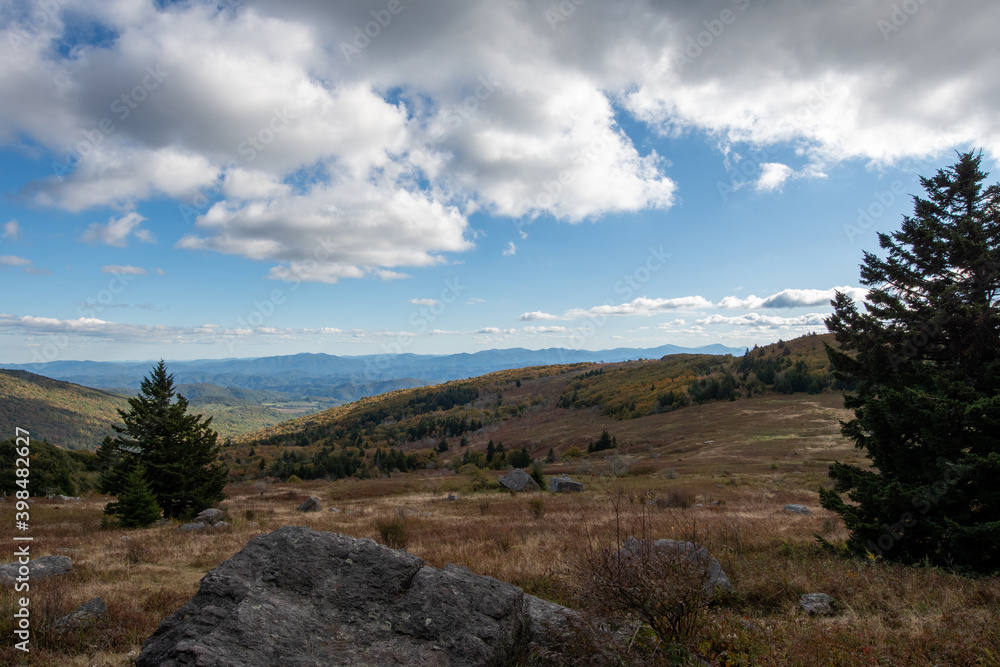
(311, 505)
(715, 577)
(299, 597)
(518, 480)
(39, 568)
(210, 516)
(564, 484)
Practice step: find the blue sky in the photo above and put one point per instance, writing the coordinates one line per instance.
(205, 180)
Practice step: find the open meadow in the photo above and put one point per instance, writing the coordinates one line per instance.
(720, 473)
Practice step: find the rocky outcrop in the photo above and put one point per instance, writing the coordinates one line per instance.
(564, 484)
(39, 568)
(302, 597)
(87, 615)
(518, 480)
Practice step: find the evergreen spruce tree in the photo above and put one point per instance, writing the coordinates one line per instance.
(925, 357)
(178, 451)
(136, 506)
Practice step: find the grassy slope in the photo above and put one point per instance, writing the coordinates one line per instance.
(78, 417)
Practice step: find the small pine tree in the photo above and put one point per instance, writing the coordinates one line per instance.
(179, 451)
(536, 474)
(551, 456)
(136, 506)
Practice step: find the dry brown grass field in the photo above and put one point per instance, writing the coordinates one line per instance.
(721, 472)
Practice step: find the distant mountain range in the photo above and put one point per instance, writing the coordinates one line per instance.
(75, 403)
(341, 378)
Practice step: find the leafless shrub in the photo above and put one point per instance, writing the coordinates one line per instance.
(666, 585)
(675, 498)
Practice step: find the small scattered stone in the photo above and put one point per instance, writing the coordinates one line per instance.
(219, 525)
(189, 527)
(452, 496)
(86, 615)
(163, 522)
(334, 510)
(816, 604)
(797, 509)
(311, 505)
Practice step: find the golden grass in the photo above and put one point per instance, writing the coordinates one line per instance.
(886, 612)
(730, 492)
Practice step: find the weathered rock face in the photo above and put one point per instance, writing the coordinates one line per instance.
(39, 568)
(86, 615)
(300, 597)
(311, 505)
(816, 604)
(564, 484)
(518, 480)
(192, 527)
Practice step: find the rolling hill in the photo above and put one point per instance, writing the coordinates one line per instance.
(63, 413)
(430, 425)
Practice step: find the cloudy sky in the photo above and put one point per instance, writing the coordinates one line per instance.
(247, 178)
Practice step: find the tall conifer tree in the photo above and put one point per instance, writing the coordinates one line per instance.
(925, 357)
